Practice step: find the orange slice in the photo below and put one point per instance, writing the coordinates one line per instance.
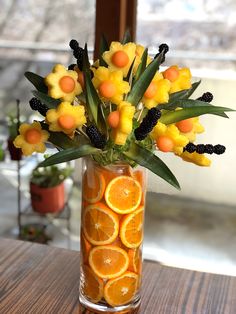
(100, 224)
(121, 290)
(91, 285)
(93, 186)
(85, 247)
(108, 261)
(123, 194)
(135, 260)
(140, 177)
(131, 229)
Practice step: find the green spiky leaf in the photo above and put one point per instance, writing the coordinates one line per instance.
(193, 111)
(183, 94)
(37, 81)
(69, 154)
(52, 103)
(127, 37)
(142, 65)
(143, 82)
(92, 98)
(150, 161)
(102, 48)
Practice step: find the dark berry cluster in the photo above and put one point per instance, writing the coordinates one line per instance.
(96, 137)
(71, 66)
(206, 97)
(162, 48)
(148, 123)
(205, 149)
(36, 104)
(78, 52)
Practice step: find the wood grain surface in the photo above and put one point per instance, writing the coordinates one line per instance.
(39, 279)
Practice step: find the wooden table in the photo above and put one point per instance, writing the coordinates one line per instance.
(39, 279)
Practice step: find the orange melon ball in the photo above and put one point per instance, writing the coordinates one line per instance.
(33, 136)
(165, 144)
(67, 84)
(120, 59)
(113, 119)
(185, 126)
(151, 90)
(66, 122)
(171, 74)
(107, 89)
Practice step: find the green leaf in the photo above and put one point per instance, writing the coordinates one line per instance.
(92, 99)
(52, 103)
(190, 103)
(37, 81)
(129, 77)
(127, 37)
(102, 48)
(102, 125)
(150, 161)
(69, 154)
(194, 111)
(142, 65)
(143, 82)
(184, 94)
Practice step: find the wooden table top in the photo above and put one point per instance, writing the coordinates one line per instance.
(40, 279)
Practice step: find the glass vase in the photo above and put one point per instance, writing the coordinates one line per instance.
(112, 219)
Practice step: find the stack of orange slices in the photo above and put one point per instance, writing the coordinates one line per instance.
(112, 235)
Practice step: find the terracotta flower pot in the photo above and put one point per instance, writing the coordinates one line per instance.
(15, 153)
(47, 200)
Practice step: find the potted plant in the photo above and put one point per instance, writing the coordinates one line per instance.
(15, 153)
(47, 189)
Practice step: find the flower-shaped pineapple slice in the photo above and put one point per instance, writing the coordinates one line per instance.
(180, 79)
(63, 84)
(31, 138)
(66, 118)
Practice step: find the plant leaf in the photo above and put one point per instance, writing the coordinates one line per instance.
(102, 48)
(69, 154)
(92, 99)
(184, 94)
(129, 77)
(190, 103)
(185, 113)
(127, 37)
(142, 65)
(37, 81)
(52, 103)
(143, 82)
(150, 161)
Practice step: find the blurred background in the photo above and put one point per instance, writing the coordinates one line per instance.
(194, 228)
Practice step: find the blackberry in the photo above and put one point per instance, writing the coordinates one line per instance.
(71, 66)
(36, 104)
(206, 97)
(190, 148)
(219, 149)
(209, 149)
(164, 47)
(74, 44)
(96, 137)
(200, 149)
(148, 123)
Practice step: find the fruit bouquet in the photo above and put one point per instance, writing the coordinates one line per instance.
(120, 113)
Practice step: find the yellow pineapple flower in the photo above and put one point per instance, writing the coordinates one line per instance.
(157, 92)
(190, 127)
(31, 138)
(138, 55)
(195, 158)
(180, 79)
(66, 118)
(63, 84)
(120, 57)
(168, 138)
(126, 114)
(110, 84)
